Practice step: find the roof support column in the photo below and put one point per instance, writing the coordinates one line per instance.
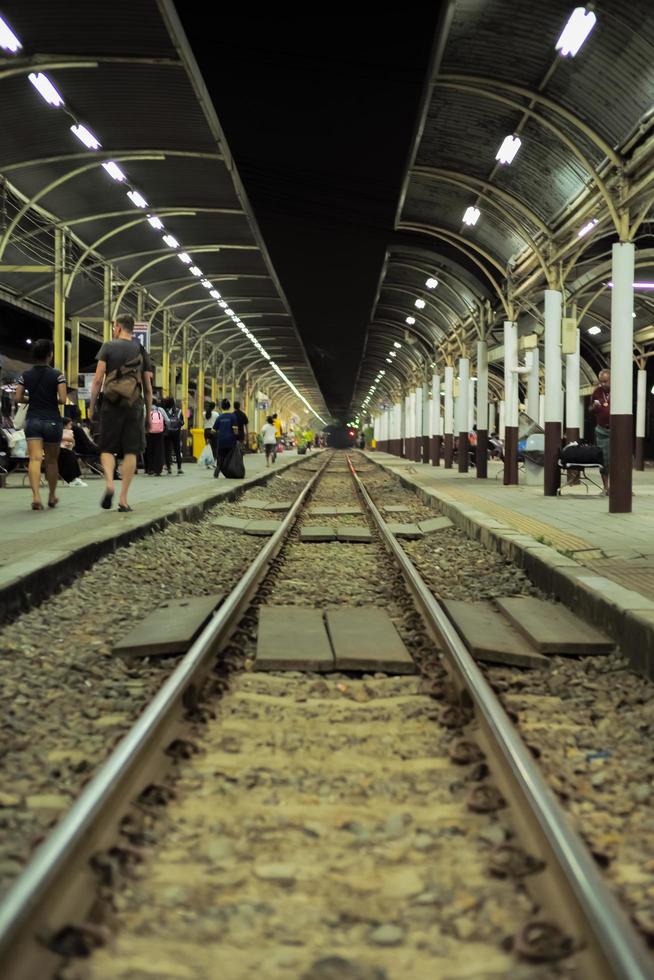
(73, 371)
(448, 427)
(482, 410)
(533, 386)
(425, 423)
(106, 305)
(572, 373)
(641, 415)
(511, 411)
(553, 407)
(59, 330)
(405, 426)
(165, 357)
(462, 421)
(622, 381)
(199, 392)
(436, 428)
(185, 375)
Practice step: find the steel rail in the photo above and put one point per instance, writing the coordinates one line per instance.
(58, 881)
(612, 947)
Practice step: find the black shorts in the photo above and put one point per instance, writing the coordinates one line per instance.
(122, 428)
(49, 430)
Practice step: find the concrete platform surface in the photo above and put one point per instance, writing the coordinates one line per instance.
(35, 546)
(600, 565)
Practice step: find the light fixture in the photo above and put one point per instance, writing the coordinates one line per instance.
(471, 216)
(185, 258)
(215, 294)
(45, 88)
(392, 353)
(397, 344)
(431, 283)
(153, 220)
(206, 284)
(420, 304)
(594, 330)
(588, 227)
(8, 40)
(85, 136)
(575, 32)
(388, 360)
(508, 149)
(28, 340)
(410, 320)
(636, 285)
(137, 199)
(171, 241)
(229, 312)
(222, 304)
(116, 173)
(195, 271)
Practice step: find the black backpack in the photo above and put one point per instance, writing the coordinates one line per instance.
(175, 420)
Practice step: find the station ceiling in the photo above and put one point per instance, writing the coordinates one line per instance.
(328, 162)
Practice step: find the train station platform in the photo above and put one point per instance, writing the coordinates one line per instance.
(40, 549)
(597, 563)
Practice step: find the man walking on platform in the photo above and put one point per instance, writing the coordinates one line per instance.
(124, 374)
(242, 422)
(600, 407)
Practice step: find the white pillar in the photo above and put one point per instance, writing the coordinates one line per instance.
(471, 404)
(533, 386)
(641, 404)
(510, 377)
(436, 428)
(541, 411)
(482, 386)
(582, 426)
(622, 381)
(492, 417)
(572, 373)
(462, 400)
(553, 400)
(502, 426)
(448, 427)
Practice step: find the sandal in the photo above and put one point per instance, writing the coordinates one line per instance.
(53, 502)
(107, 499)
(124, 508)
(37, 505)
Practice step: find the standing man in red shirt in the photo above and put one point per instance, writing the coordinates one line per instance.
(601, 409)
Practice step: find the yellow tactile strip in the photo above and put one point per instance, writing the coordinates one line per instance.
(521, 522)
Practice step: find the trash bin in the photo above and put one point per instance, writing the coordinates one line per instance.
(197, 436)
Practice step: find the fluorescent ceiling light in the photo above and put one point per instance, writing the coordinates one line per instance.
(229, 312)
(85, 136)
(215, 294)
(410, 320)
(207, 284)
(420, 304)
(589, 227)
(137, 199)
(185, 258)
(471, 216)
(153, 219)
(508, 149)
(195, 271)
(222, 304)
(637, 285)
(8, 39)
(397, 344)
(171, 241)
(392, 353)
(431, 283)
(576, 31)
(45, 88)
(114, 171)
(594, 330)
(388, 360)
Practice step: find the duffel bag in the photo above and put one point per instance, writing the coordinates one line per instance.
(233, 466)
(581, 455)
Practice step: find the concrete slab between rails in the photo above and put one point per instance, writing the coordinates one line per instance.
(49, 549)
(624, 614)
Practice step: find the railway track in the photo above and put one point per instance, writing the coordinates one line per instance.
(335, 840)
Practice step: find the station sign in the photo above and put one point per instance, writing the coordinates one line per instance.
(142, 334)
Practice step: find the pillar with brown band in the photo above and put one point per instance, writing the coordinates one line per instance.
(510, 403)
(481, 453)
(572, 372)
(462, 407)
(641, 415)
(553, 402)
(436, 422)
(622, 380)
(448, 420)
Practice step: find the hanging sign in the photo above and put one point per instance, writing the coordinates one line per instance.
(142, 334)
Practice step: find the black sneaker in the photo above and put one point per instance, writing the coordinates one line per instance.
(180, 472)
(216, 473)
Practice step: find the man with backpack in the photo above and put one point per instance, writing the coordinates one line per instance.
(124, 374)
(174, 426)
(226, 427)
